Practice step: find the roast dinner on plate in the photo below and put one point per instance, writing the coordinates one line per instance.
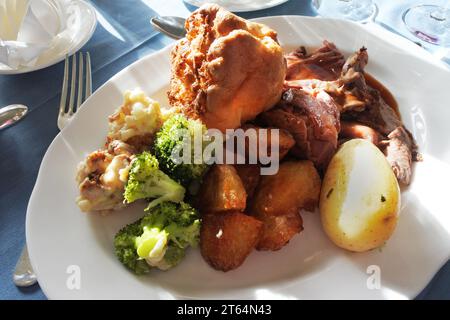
(343, 152)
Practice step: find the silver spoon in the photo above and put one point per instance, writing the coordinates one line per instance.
(170, 26)
(11, 114)
(24, 275)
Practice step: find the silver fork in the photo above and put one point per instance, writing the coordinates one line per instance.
(67, 110)
(24, 275)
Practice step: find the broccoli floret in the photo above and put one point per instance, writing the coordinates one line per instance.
(178, 132)
(146, 181)
(124, 242)
(173, 256)
(152, 244)
(159, 239)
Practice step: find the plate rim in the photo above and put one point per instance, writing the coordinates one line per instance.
(266, 6)
(47, 290)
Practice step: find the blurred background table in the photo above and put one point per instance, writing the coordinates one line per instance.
(123, 35)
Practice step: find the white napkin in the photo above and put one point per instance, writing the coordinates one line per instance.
(28, 28)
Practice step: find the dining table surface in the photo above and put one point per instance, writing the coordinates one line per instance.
(122, 36)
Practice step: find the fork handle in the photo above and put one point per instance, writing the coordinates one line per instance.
(24, 275)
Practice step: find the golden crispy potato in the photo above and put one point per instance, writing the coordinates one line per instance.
(296, 186)
(278, 230)
(249, 174)
(285, 141)
(221, 190)
(227, 239)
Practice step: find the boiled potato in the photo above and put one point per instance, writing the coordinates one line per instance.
(227, 239)
(296, 186)
(221, 190)
(360, 197)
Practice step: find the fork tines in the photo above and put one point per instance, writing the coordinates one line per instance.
(81, 91)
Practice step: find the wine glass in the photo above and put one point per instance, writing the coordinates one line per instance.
(430, 23)
(355, 10)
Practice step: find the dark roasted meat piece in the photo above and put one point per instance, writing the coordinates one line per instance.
(400, 151)
(348, 88)
(313, 121)
(363, 111)
(377, 114)
(324, 64)
(354, 130)
(353, 69)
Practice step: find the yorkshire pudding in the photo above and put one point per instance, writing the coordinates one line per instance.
(227, 70)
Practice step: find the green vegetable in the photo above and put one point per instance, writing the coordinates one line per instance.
(176, 135)
(152, 243)
(159, 239)
(124, 243)
(146, 181)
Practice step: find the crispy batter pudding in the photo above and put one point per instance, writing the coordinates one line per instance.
(227, 70)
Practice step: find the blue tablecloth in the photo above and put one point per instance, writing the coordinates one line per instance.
(123, 35)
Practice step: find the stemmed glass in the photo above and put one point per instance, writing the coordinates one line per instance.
(430, 23)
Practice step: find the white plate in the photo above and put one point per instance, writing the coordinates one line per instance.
(310, 266)
(83, 22)
(239, 5)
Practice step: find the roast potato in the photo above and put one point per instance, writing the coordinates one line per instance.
(227, 239)
(278, 230)
(296, 186)
(360, 197)
(285, 141)
(249, 174)
(221, 190)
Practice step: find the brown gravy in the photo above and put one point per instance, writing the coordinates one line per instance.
(384, 92)
(310, 71)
